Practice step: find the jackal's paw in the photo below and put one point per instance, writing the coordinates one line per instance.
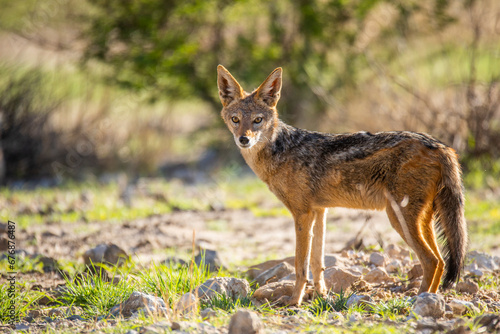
(320, 289)
(287, 301)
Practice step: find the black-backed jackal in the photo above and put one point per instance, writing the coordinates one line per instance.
(414, 177)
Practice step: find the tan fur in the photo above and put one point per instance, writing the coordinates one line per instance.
(412, 176)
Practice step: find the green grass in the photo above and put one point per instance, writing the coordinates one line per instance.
(20, 296)
(95, 295)
(227, 303)
(335, 303)
(393, 308)
(170, 282)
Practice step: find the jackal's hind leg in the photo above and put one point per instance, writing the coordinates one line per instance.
(411, 220)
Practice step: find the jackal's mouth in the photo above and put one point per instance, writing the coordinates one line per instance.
(244, 145)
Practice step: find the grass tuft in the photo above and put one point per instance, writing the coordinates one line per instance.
(95, 295)
(170, 282)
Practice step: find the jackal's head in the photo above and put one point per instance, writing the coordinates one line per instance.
(251, 117)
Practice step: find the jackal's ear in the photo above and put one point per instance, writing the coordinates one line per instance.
(229, 89)
(269, 91)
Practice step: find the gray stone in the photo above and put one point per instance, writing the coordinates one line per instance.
(75, 317)
(275, 273)
(273, 291)
(377, 259)
(245, 322)
(339, 278)
(355, 316)
(207, 313)
(22, 327)
(377, 275)
(330, 261)
(415, 272)
(355, 299)
(187, 304)
(468, 286)
(429, 323)
(460, 307)
(429, 305)
(482, 261)
(105, 253)
(230, 286)
(131, 331)
(140, 302)
(393, 267)
(490, 321)
(209, 258)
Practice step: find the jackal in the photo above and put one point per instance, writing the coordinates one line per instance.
(414, 177)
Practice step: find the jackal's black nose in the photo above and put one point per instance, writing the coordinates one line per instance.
(244, 140)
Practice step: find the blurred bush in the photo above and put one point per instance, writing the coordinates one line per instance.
(28, 142)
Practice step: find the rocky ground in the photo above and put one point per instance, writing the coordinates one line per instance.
(367, 266)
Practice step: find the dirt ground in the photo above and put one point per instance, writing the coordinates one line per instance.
(237, 235)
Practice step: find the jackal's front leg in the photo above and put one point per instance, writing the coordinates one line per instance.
(303, 234)
(318, 252)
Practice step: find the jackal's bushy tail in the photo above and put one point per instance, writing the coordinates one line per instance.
(449, 211)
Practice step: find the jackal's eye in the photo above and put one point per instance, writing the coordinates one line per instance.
(257, 120)
(235, 119)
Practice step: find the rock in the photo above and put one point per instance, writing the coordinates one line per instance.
(392, 250)
(476, 273)
(75, 317)
(330, 261)
(415, 272)
(377, 259)
(207, 313)
(460, 307)
(355, 316)
(245, 322)
(273, 291)
(485, 262)
(4, 228)
(378, 275)
(393, 267)
(429, 305)
(105, 253)
(429, 323)
(4, 244)
(229, 286)
(187, 304)
(49, 264)
(357, 300)
(209, 258)
(468, 286)
(490, 321)
(63, 311)
(275, 273)
(22, 327)
(131, 331)
(184, 326)
(28, 319)
(339, 279)
(139, 301)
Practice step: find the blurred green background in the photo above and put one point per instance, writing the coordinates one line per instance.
(105, 86)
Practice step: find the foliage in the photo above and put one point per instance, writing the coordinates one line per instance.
(173, 47)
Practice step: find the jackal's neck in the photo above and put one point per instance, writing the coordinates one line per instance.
(263, 158)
